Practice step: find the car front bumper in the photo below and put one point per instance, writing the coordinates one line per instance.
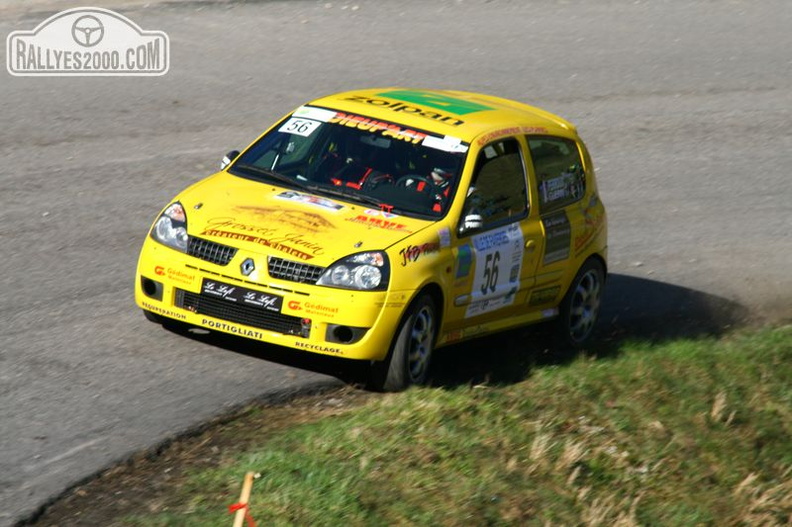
(337, 322)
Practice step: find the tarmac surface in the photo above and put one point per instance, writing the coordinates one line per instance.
(684, 104)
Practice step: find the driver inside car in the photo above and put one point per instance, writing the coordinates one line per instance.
(438, 183)
(350, 163)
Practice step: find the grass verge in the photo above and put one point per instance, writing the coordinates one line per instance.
(689, 432)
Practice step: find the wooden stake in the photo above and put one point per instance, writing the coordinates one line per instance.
(244, 499)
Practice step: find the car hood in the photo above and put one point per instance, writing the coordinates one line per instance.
(286, 223)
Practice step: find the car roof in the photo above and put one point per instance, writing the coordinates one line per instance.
(461, 114)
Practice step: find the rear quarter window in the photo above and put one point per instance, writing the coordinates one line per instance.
(559, 171)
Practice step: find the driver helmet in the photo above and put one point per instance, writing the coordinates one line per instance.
(441, 177)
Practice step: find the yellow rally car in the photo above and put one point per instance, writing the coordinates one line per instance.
(380, 224)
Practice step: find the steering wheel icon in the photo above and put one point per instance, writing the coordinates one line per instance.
(87, 31)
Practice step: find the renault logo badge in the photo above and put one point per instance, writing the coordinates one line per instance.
(247, 267)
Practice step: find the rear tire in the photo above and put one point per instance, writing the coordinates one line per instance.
(408, 360)
(580, 307)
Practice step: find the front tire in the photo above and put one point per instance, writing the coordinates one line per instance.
(408, 361)
(165, 322)
(580, 307)
(152, 317)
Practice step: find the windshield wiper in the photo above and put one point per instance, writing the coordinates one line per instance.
(272, 174)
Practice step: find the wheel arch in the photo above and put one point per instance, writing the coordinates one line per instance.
(594, 256)
(601, 260)
(435, 292)
(587, 312)
(384, 376)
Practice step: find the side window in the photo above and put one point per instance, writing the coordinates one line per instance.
(498, 192)
(559, 172)
(294, 150)
(285, 154)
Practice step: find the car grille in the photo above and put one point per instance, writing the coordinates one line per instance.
(216, 253)
(294, 271)
(248, 315)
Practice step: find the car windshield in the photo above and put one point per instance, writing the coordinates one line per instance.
(358, 159)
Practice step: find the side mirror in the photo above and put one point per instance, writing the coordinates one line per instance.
(471, 222)
(233, 154)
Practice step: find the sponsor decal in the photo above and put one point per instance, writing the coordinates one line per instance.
(559, 237)
(378, 212)
(447, 144)
(497, 134)
(464, 261)
(312, 308)
(390, 304)
(233, 224)
(583, 241)
(384, 128)
(299, 219)
(454, 335)
(87, 41)
(567, 185)
(475, 330)
(293, 244)
(488, 240)
(291, 251)
(445, 237)
(396, 300)
(310, 199)
(514, 274)
(543, 296)
(175, 275)
(404, 108)
(299, 126)
(317, 347)
(437, 101)
(472, 331)
(548, 313)
(513, 130)
(164, 312)
(499, 255)
(317, 114)
(594, 219)
(462, 282)
(231, 328)
(381, 223)
(411, 253)
(242, 295)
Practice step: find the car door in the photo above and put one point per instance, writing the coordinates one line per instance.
(560, 186)
(496, 250)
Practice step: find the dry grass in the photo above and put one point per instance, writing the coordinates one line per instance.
(678, 434)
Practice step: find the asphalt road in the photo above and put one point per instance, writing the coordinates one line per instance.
(686, 106)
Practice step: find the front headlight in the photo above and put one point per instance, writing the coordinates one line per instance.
(363, 271)
(171, 228)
